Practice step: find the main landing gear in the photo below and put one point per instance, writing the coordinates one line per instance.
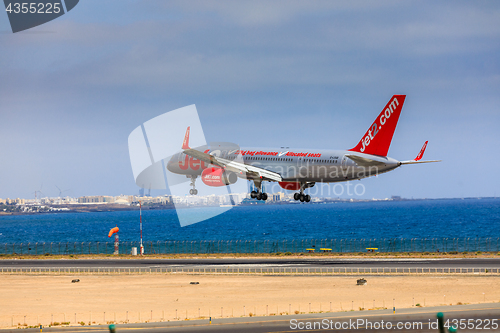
(301, 196)
(193, 191)
(258, 194)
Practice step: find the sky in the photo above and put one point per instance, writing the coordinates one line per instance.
(308, 74)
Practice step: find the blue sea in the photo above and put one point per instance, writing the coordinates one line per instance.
(453, 218)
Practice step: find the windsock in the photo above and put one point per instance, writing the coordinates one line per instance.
(112, 231)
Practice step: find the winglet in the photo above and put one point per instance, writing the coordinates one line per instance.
(422, 151)
(185, 143)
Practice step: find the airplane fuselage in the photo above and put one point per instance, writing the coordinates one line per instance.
(294, 165)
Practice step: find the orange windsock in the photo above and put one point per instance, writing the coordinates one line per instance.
(112, 231)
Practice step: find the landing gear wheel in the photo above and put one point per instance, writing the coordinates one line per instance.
(296, 196)
(264, 196)
(253, 194)
(259, 196)
(302, 197)
(307, 198)
(193, 191)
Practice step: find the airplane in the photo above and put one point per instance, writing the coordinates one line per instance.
(295, 169)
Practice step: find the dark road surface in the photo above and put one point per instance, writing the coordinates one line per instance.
(472, 318)
(258, 262)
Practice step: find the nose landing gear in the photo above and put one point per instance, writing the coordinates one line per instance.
(193, 191)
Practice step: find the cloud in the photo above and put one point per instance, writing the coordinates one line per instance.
(260, 12)
(296, 73)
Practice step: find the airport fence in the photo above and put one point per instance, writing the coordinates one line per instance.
(261, 246)
(252, 270)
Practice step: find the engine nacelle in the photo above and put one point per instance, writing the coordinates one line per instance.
(218, 177)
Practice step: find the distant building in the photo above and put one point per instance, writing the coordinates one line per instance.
(178, 200)
(124, 199)
(163, 200)
(280, 196)
(214, 200)
(233, 199)
(96, 199)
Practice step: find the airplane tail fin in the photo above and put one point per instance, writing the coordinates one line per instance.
(377, 139)
(185, 143)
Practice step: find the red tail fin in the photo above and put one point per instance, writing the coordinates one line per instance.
(377, 139)
(185, 143)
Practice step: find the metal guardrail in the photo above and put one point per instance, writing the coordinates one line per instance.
(254, 270)
(261, 246)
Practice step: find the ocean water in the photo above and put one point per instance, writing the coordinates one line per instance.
(454, 218)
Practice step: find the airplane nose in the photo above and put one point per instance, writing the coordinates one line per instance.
(172, 164)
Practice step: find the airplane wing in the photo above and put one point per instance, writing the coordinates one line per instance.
(229, 165)
(417, 159)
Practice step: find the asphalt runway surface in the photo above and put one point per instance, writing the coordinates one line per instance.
(254, 262)
(470, 318)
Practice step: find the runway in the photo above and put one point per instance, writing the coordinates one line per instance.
(255, 263)
(470, 318)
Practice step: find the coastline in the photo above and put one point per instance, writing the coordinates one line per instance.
(322, 255)
(113, 207)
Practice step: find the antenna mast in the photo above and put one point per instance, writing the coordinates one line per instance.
(141, 248)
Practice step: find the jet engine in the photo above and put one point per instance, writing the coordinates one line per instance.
(218, 177)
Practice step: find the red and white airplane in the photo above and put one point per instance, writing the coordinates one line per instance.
(295, 169)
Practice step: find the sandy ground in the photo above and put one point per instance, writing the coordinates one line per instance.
(107, 298)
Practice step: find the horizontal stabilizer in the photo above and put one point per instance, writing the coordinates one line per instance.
(417, 162)
(417, 159)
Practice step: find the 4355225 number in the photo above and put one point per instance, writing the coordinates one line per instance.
(33, 8)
